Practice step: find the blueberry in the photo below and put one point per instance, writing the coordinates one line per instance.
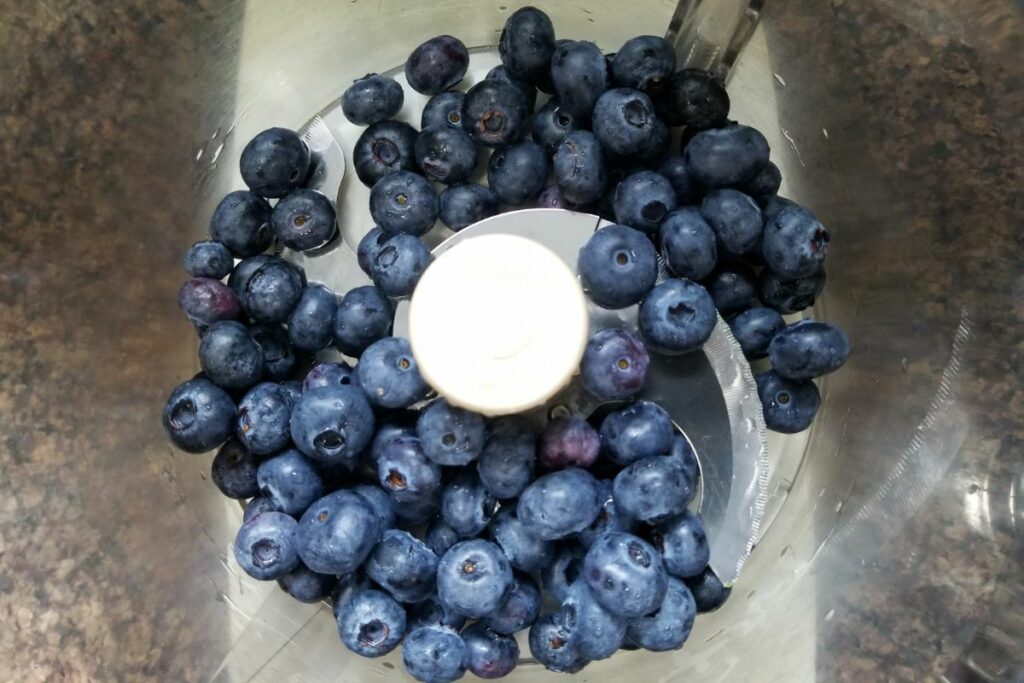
(257, 506)
(609, 519)
(371, 623)
(229, 355)
(443, 109)
(732, 287)
(244, 271)
(699, 98)
(379, 501)
(405, 471)
(363, 317)
(311, 323)
(581, 170)
(645, 63)
(708, 591)
(559, 504)
(474, 578)
(687, 190)
(643, 200)
(593, 631)
(435, 654)
(683, 545)
(437, 65)
(507, 460)
(431, 612)
(368, 248)
(290, 482)
(549, 645)
(445, 154)
(789, 296)
(390, 428)
(682, 453)
(332, 425)
(688, 244)
(735, 218)
(348, 585)
(273, 290)
(400, 264)
(337, 533)
(669, 627)
(794, 244)
(568, 442)
(775, 205)
(518, 173)
(206, 301)
(491, 655)
(274, 163)
(677, 316)
(403, 566)
(626, 574)
(208, 259)
(641, 430)
(726, 156)
(523, 550)
(624, 121)
(389, 375)
(528, 92)
(618, 266)
(527, 43)
(266, 548)
(652, 489)
(808, 349)
(439, 537)
(658, 146)
(765, 183)
(520, 609)
(304, 220)
(614, 365)
(450, 435)
(279, 359)
(463, 205)
(754, 329)
(383, 148)
(552, 198)
(233, 471)
(466, 505)
(579, 75)
(372, 98)
(420, 510)
(305, 585)
(403, 202)
(494, 113)
(263, 415)
(789, 405)
(551, 125)
(241, 222)
(564, 569)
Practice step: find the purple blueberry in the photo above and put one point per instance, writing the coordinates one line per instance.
(520, 609)
(579, 75)
(437, 65)
(523, 550)
(494, 113)
(652, 489)
(311, 323)
(304, 220)
(263, 418)
(568, 442)
(266, 548)
(808, 349)
(305, 585)
(581, 170)
(507, 460)
(474, 578)
(669, 627)
(466, 506)
(403, 202)
(618, 266)
(206, 301)
(405, 471)
(389, 375)
(726, 157)
(526, 44)
(626, 574)
(735, 218)
(552, 198)
(372, 98)
(208, 259)
(445, 154)
(337, 533)
(641, 430)
(241, 222)
(371, 623)
(754, 330)
(518, 173)
(450, 435)
(789, 405)
(435, 654)
(688, 244)
(643, 200)
(383, 148)
(229, 355)
(794, 244)
(645, 62)
(624, 121)
(614, 366)
(463, 205)
(559, 504)
(403, 566)
(443, 109)
(274, 163)
(551, 125)
(491, 655)
(789, 296)
(698, 99)
(289, 482)
(732, 287)
(332, 425)
(363, 316)
(677, 317)
(233, 471)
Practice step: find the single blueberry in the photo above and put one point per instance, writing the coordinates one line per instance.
(735, 218)
(383, 148)
(332, 425)
(699, 99)
(445, 154)
(520, 609)
(765, 183)
(775, 205)
(808, 349)
(209, 259)
(669, 627)
(652, 489)
(368, 248)
(233, 471)
(614, 366)
(789, 405)
(551, 125)
(708, 591)
(618, 266)
(474, 578)
(609, 519)
(637, 431)
(274, 163)
(263, 418)
(304, 220)
(687, 190)
(241, 222)
(405, 471)
(581, 170)
(403, 566)
(594, 632)
(754, 330)
(311, 323)
(688, 244)
(363, 317)
(559, 504)
(789, 296)
(439, 537)
(419, 510)
(437, 65)
(244, 271)
(273, 290)
(450, 435)
(677, 317)
(658, 146)
(403, 202)
(431, 612)
(518, 173)
(466, 506)
(726, 157)
(337, 533)
(392, 426)
(563, 570)
(371, 623)
(389, 375)
(305, 585)
(732, 287)
(494, 113)
(205, 301)
(257, 506)
(643, 200)
(794, 244)
(290, 482)
(626, 574)
(526, 44)
(645, 62)
(683, 545)
(552, 198)
(443, 109)
(279, 358)
(400, 264)
(579, 75)
(372, 98)
(624, 121)
(491, 655)
(266, 548)
(380, 501)
(528, 92)
(463, 205)
(348, 585)
(568, 442)
(549, 645)
(229, 355)
(435, 654)
(507, 460)
(682, 453)
(524, 551)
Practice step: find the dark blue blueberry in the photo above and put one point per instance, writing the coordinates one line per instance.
(233, 471)
(568, 442)
(614, 365)
(641, 430)
(669, 627)
(293, 387)
(474, 578)
(624, 121)
(643, 200)
(205, 301)
(389, 375)
(688, 244)
(371, 623)
(732, 287)
(263, 418)
(290, 482)
(581, 170)
(552, 198)
(808, 349)
(528, 92)
(372, 98)
(304, 220)
(208, 259)
(593, 631)
(337, 533)
(699, 99)
(274, 163)
(450, 435)
(794, 244)
(579, 75)
(257, 506)
(789, 405)
(491, 655)
(403, 566)
(311, 324)
(645, 63)
(563, 570)
(368, 248)
(332, 425)
(652, 489)
(439, 537)
(405, 471)
(383, 148)
(279, 359)
(549, 645)
(348, 585)
(527, 43)
(305, 585)
(775, 205)
(618, 266)
(708, 591)
(435, 654)
(520, 609)
(559, 504)
(658, 146)
(677, 316)
(754, 329)
(518, 173)
(273, 290)
(391, 427)
(494, 113)
(682, 453)
(683, 545)
(765, 183)
(789, 296)
(726, 157)
(466, 506)
(506, 463)
(735, 218)
(244, 270)
(380, 501)
(437, 65)
(229, 355)
(551, 125)
(241, 222)
(266, 548)
(431, 612)
(463, 205)
(363, 316)
(687, 190)
(399, 265)
(419, 510)
(626, 574)
(443, 109)
(610, 518)
(445, 154)
(403, 202)
(524, 551)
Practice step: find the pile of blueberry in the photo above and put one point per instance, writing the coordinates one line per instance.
(415, 516)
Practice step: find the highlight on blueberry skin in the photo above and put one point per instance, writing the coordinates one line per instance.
(618, 266)
(789, 405)
(385, 147)
(372, 98)
(615, 365)
(677, 317)
(275, 162)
